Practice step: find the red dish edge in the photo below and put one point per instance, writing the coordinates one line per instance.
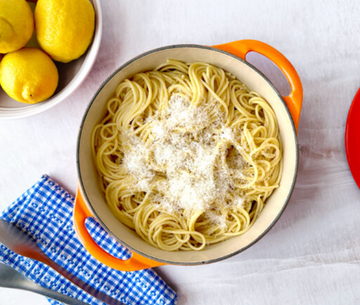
(352, 138)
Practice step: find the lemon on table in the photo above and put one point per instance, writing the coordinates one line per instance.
(64, 28)
(16, 24)
(28, 75)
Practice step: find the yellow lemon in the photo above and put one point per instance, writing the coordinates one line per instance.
(28, 75)
(64, 28)
(16, 24)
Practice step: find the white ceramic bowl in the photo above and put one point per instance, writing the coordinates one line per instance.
(71, 76)
(90, 200)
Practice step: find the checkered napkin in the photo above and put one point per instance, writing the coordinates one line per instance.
(45, 212)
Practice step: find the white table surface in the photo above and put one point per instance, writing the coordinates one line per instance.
(312, 255)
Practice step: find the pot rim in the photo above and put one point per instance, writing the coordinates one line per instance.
(88, 203)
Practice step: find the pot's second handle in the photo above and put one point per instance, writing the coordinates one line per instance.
(134, 263)
(294, 100)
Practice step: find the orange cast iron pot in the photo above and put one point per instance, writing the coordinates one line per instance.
(90, 201)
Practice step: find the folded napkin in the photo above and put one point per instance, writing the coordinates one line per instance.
(45, 212)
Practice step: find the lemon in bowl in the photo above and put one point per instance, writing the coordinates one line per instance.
(64, 28)
(28, 75)
(16, 25)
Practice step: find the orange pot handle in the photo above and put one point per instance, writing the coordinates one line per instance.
(134, 263)
(242, 47)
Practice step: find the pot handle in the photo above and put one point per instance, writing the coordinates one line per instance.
(134, 263)
(294, 100)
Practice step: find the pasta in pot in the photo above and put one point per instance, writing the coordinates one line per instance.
(187, 155)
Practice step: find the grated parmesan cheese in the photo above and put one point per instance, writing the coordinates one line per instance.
(182, 146)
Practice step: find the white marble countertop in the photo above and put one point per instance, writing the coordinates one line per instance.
(312, 255)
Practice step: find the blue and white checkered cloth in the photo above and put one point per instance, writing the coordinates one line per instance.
(45, 212)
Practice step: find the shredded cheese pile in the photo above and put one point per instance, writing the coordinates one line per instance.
(182, 150)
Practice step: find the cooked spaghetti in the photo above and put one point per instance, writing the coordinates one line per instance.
(187, 155)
